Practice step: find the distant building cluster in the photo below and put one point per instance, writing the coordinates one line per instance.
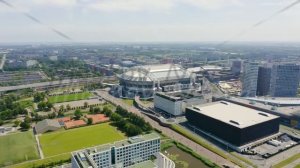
(276, 80)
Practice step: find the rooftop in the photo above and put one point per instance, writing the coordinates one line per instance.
(180, 95)
(160, 67)
(75, 123)
(155, 72)
(136, 139)
(146, 164)
(276, 101)
(286, 111)
(233, 114)
(98, 118)
(131, 140)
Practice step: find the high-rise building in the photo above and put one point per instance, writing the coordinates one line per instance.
(249, 79)
(236, 67)
(284, 80)
(263, 80)
(138, 150)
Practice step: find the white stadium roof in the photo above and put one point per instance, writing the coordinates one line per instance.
(233, 114)
(158, 72)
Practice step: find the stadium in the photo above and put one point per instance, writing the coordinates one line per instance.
(143, 81)
(234, 125)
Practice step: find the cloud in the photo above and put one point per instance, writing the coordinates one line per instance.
(210, 4)
(55, 3)
(127, 5)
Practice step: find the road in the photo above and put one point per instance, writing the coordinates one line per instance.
(54, 83)
(167, 131)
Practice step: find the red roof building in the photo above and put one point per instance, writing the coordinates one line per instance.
(98, 118)
(75, 123)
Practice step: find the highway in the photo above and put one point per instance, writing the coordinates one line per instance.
(53, 83)
(167, 131)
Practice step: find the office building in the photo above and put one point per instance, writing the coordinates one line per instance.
(263, 80)
(236, 67)
(249, 79)
(174, 103)
(134, 151)
(232, 123)
(284, 80)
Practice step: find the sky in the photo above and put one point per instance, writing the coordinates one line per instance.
(148, 21)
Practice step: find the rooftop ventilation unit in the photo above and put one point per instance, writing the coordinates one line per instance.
(263, 114)
(223, 102)
(196, 108)
(234, 122)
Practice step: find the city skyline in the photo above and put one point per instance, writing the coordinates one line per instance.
(149, 21)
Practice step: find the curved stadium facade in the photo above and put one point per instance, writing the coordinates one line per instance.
(143, 81)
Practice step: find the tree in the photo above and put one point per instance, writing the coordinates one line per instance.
(60, 114)
(37, 97)
(107, 112)
(61, 108)
(91, 109)
(115, 117)
(17, 123)
(49, 105)
(77, 114)
(52, 115)
(68, 107)
(42, 106)
(90, 121)
(27, 119)
(85, 104)
(24, 125)
(132, 130)
(97, 110)
(1, 122)
(123, 112)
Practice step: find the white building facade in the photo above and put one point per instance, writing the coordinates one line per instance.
(122, 154)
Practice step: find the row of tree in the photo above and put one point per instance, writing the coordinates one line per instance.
(129, 123)
(44, 106)
(10, 108)
(39, 96)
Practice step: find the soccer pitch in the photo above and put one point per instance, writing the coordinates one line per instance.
(69, 97)
(70, 140)
(19, 147)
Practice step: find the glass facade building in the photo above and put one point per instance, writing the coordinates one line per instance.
(284, 80)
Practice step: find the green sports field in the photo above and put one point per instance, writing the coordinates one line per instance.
(69, 97)
(70, 140)
(19, 147)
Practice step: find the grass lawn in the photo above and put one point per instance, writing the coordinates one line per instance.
(69, 97)
(26, 103)
(70, 140)
(128, 101)
(15, 148)
(287, 161)
(39, 162)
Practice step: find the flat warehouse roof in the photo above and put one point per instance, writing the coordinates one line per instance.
(233, 114)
